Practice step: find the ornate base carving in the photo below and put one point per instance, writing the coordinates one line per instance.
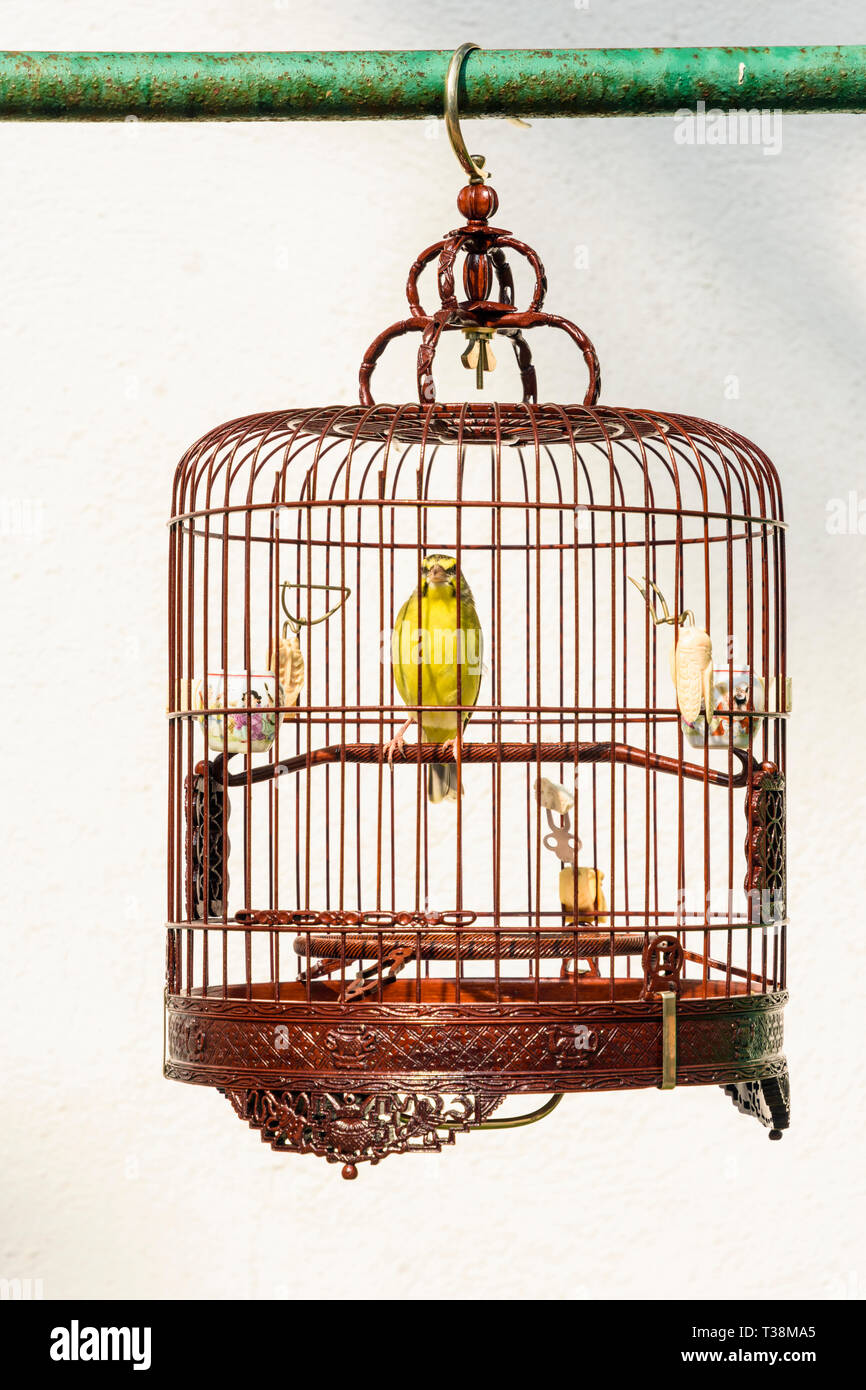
(351, 1128)
(769, 1100)
(355, 1083)
(472, 1047)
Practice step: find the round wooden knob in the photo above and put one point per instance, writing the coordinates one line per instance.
(349, 1171)
(477, 201)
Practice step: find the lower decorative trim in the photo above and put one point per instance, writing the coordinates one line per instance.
(349, 1128)
(768, 1099)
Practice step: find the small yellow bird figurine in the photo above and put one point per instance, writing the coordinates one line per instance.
(426, 639)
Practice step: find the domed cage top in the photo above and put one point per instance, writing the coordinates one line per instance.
(476, 748)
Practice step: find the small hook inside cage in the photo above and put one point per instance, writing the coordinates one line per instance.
(676, 619)
(295, 624)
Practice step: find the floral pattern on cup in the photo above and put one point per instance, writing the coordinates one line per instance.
(729, 697)
(244, 727)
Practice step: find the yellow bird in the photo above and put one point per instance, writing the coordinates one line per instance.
(426, 641)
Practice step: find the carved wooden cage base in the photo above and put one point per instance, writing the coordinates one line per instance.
(356, 1084)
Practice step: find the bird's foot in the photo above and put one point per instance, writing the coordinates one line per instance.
(451, 746)
(397, 742)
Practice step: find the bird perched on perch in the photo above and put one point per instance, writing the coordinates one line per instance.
(432, 639)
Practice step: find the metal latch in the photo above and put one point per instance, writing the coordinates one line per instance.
(669, 1041)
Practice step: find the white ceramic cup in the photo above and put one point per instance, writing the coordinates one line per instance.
(245, 727)
(725, 709)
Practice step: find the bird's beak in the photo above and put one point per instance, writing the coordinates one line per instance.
(437, 575)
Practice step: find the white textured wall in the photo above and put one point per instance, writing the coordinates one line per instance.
(160, 279)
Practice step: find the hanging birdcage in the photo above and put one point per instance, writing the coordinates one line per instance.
(476, 756)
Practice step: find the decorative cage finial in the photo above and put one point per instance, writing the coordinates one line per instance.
(478, 316)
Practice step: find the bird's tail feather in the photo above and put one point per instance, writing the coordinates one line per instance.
(442, 782)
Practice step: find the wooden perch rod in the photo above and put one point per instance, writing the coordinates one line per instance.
(490, 753)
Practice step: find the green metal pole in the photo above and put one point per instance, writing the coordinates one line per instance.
(409, 86)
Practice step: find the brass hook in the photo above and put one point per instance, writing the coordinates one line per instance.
(512, 1121)
(677, 619)
(297, 623)
(472, 163)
